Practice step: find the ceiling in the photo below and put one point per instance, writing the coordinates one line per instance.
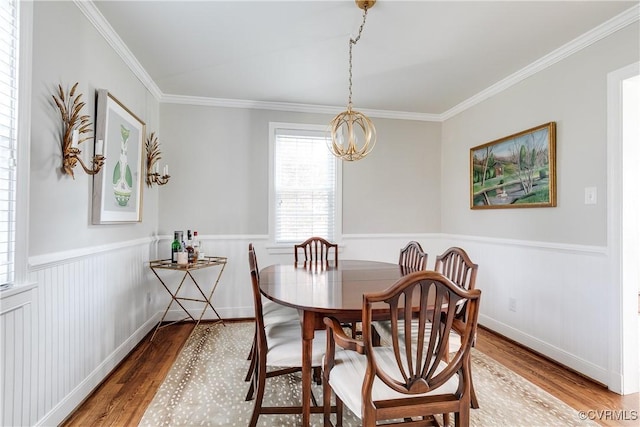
(414, 56)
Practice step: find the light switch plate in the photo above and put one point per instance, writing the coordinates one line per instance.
(590, 195)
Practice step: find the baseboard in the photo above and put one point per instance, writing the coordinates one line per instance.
(568, 360)
(74, 399)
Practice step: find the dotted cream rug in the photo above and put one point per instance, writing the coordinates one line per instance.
(205, 387)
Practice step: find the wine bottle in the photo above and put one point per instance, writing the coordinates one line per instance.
(190, 247)
(175, 246)
(196, 246)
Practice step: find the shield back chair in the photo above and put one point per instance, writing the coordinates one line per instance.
(279, 345)
(455, 264)
(316, 249)
(413, 257)
(404, 380)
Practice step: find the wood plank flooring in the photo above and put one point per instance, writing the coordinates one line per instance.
(573, 389)
(123, 397)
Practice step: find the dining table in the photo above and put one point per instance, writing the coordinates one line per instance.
(326, 288)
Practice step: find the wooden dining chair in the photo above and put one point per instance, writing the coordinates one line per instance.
(316, 249)
(404, 380)
(279, 345)
(272, 314)
(413, 257)
(455, 264)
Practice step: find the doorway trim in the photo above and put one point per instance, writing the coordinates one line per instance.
(623, 348)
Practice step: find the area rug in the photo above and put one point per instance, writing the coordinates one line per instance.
(205, 387)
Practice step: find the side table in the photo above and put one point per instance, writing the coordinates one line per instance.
(206, 262)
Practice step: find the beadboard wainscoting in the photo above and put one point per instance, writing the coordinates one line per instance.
(93, 307)
(88, 308)
(18, 308)
(553, 298)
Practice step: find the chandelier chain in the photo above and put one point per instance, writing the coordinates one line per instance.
(353, 135)
(352, 42)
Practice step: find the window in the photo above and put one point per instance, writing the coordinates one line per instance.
(8, 136)
(305, 184)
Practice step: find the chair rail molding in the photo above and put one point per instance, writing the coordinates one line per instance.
(62, 257)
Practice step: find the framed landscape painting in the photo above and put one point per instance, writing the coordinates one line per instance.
(517, 171)
(117, 188)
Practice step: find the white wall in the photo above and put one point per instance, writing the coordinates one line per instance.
(219, 164)
(553, 261)
(68, 49)
(572, 93)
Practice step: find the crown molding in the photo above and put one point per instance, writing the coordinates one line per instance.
(106, 30)
(292, 107)
(616, 23)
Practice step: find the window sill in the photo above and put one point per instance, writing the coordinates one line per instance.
(279, 249)
(17, 289)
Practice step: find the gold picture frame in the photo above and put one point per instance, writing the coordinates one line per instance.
(117, 188)
(517, 171)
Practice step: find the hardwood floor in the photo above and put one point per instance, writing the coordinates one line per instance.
(122, 398)
(573, 389)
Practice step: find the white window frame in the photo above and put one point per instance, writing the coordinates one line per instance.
(274, 247)
(25, 42)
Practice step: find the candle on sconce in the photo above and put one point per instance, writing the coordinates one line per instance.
(155, 167)
(166, 170)
(99, 147)
(74, 138)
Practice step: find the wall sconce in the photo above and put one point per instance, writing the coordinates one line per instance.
(74, 125)
(153, 155)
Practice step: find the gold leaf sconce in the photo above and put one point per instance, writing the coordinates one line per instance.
(153, 156)
(75, 126)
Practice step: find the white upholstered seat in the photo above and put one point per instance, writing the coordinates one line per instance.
(350, 368)
(274, 313)
(284, 345)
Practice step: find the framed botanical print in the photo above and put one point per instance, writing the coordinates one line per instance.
(117, 188)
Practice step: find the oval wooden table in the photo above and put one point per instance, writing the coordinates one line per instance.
(319, 289)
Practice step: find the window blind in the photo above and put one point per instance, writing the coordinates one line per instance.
(305, 186)
(8, 131)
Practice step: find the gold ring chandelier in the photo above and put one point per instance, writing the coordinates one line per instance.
(353, 134)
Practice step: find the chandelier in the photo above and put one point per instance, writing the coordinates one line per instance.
(353, 135)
